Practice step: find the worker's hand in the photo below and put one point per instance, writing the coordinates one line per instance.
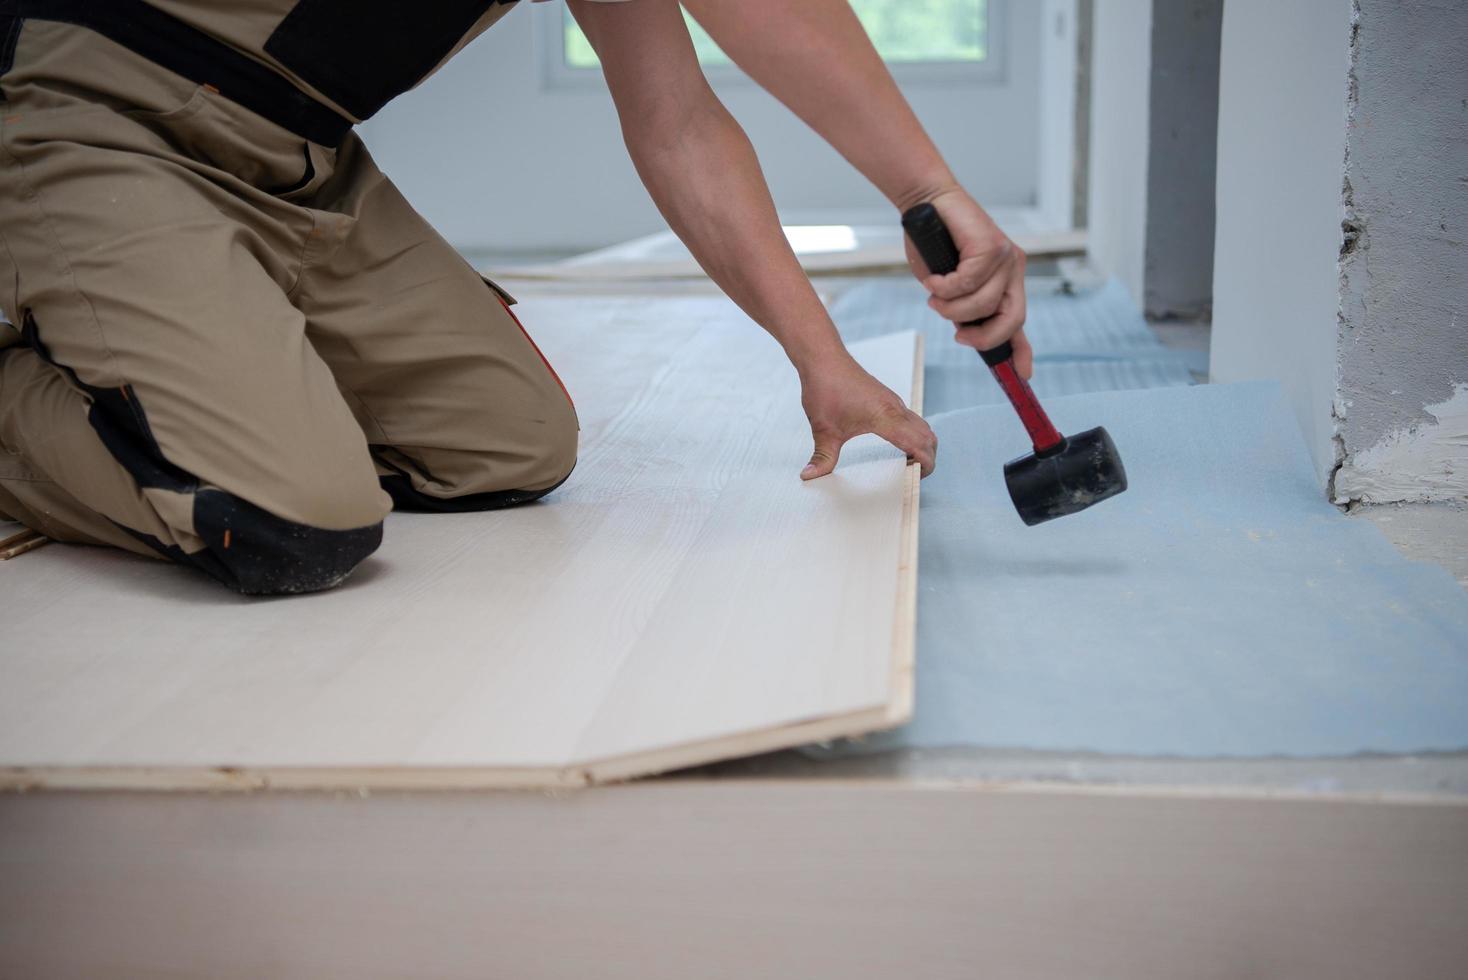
(843, 401)
(988, 286)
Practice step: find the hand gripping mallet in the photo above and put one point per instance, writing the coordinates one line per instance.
(1064, 474)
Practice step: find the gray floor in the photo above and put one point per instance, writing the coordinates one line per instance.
(1425, 532)
(1428, 774)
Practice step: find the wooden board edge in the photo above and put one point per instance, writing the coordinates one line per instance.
(919, 376)
(16, 545)
(431, 782)
(904, 622)
(735, 746)
(248, 779)
(449, 778)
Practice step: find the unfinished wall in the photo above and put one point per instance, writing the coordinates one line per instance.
(1182, 153)
(1340, 266)
(1281, 139)
(1154, 97)
(1403, 345)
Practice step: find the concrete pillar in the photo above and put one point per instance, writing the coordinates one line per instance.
(1154, 97)
(1340, 261)
(1182, 151)
(1402, 405)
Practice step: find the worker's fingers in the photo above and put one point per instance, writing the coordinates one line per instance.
(976, 267)
(1004, 324)
(1024, 355)
(903, 428)
(974, 270)
(992, 332)
(986, 335)
(1017, 281)
(910, 433)
(827, 452)
(978, 305)
(1014, 309)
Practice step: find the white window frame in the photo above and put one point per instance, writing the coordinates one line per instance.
(556, 75)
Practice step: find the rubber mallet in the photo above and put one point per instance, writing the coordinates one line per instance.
(1064, 474)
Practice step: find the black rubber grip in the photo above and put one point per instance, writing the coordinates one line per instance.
(930, 237)
(995, 356)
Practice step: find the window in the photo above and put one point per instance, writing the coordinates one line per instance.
(953, 34)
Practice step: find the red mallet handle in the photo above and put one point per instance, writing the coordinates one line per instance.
(930, 237)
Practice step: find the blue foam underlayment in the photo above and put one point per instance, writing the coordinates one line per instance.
(1220, 607)
(1090, 340)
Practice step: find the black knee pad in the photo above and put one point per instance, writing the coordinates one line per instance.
(254, 552)
(262, 554)
(407, 497)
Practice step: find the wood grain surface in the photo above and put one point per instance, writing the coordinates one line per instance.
(683, 598)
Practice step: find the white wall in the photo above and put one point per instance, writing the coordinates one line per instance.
(1056, 190)
(1117, 188)
(497, 161)
(1281, 143)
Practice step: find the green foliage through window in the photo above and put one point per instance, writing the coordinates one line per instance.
(904, 31)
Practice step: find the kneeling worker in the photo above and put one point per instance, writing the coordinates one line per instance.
(235, 345)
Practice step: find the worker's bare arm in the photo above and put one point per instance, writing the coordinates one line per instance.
(705, 179)
(815, 57)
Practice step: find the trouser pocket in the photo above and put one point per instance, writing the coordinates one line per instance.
(215, 131)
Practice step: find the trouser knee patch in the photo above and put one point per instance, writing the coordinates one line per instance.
(261, 554)
(256, 553)
(407, 497)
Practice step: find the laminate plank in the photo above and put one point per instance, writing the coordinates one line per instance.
(684, 597)
(750, 588)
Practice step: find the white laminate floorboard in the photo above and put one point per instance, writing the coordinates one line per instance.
(683, 597)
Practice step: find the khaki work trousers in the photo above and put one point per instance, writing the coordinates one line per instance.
(232, 347)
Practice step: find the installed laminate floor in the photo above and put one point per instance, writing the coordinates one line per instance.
(684, 597)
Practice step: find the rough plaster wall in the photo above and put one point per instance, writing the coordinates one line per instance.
(1281, 140)
(1117, 190)
(1182, 155)
(1403, 346)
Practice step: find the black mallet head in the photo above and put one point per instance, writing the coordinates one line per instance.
(1078, 471)
(1063, 475)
